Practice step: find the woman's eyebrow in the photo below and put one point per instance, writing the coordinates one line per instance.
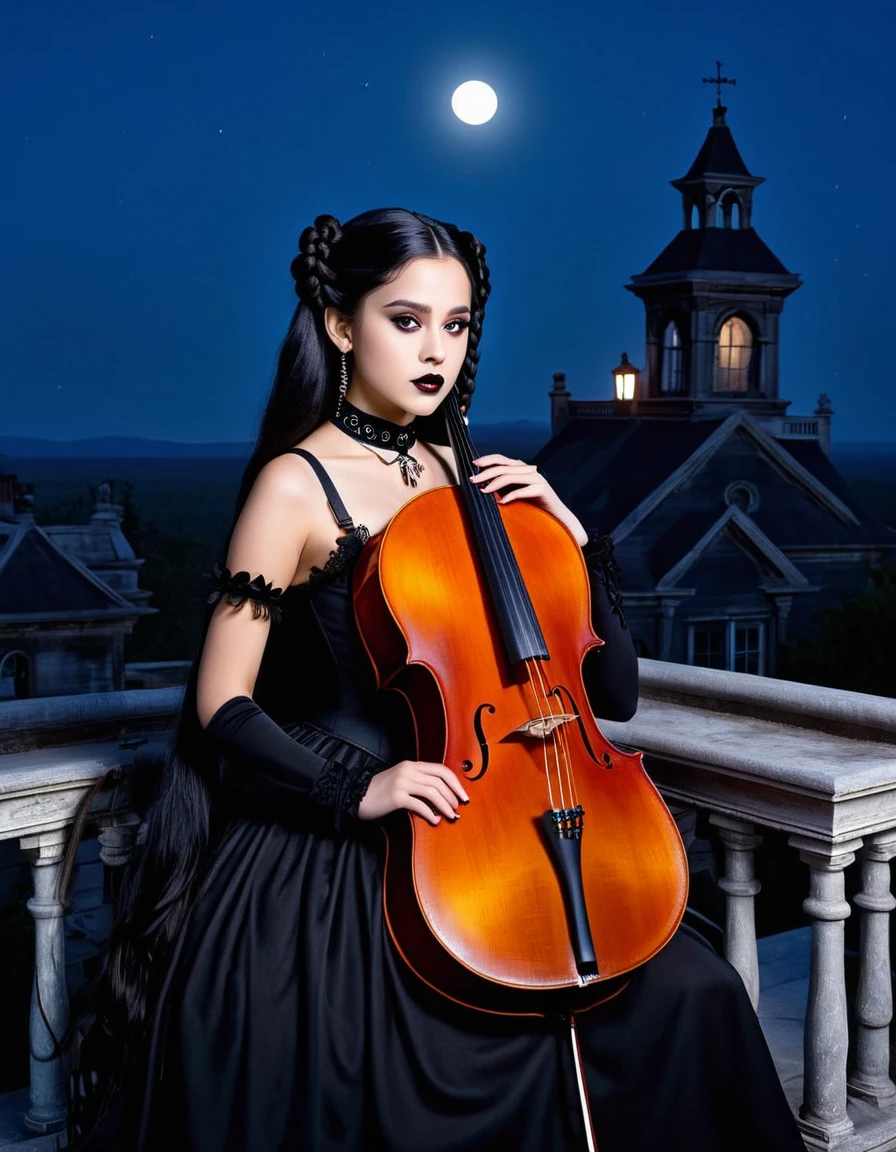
(424, 307)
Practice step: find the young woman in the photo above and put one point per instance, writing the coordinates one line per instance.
(252, 1000)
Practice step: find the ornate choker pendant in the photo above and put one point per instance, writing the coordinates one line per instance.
(382, 436)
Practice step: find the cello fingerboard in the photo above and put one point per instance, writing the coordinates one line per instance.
(520, 631)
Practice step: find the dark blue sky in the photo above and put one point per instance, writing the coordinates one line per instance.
(162, 158)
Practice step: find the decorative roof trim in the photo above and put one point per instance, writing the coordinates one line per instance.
(796, 581)
(117, 601)
(736, 422)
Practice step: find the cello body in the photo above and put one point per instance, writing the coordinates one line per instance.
(476, 907)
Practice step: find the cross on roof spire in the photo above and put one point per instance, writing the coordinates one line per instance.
(718, 80)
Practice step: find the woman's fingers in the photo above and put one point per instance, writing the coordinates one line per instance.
(422, 809)
(529, 492)
(451, 779)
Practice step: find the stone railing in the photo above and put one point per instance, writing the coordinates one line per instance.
(817, 764)
(52, 752)
(797, 428)
(583, 409)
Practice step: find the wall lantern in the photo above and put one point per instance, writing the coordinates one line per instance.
(626, 379)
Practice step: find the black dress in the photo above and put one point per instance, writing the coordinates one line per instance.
(288, 1022)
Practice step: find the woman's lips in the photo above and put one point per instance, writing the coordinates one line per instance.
(426, 387)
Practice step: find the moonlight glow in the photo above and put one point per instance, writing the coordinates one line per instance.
(474, 102)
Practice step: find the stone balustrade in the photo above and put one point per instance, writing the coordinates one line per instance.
(817, 764)
(52, 752)
(820, 765)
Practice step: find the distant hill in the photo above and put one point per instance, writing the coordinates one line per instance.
(115, 448)
(525, 436)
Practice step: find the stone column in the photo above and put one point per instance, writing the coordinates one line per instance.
(49, 997)
(740, 887)
(874, 999)
(117, 836)
(823, 1113)
(783, 604)
(669, 606)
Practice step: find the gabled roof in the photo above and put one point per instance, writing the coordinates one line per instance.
(716, 250)
(93, 544)
(606, 468)
(739, 423)
(38, 579)
(783, 575)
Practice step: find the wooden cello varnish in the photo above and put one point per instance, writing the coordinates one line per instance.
(478, 908)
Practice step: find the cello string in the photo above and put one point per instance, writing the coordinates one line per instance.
(553, 732)
(494, 526)
(561, 750)
(544, 744)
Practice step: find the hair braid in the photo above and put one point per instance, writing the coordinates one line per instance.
(311, 269)
(475, 252)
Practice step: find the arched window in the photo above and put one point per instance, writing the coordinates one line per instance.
(734, 353)
(672, 377)
(15, 676)
(730, 205)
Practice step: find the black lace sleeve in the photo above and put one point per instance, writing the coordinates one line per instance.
(600, 556)
(339, 791)
(610, 672)
(238, 589)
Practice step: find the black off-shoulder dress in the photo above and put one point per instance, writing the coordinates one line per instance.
(288, 1023)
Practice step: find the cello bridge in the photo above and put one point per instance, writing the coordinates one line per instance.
(543, 726)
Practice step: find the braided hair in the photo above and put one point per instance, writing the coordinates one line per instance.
(336, 266)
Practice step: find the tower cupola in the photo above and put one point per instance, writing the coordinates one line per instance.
(714, 295)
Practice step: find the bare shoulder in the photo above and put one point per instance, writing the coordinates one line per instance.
(289, 482)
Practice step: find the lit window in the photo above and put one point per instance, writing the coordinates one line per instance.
(733, 356)
(672, 379)
(735, 645)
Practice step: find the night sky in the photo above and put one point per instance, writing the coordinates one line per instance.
(161, 159)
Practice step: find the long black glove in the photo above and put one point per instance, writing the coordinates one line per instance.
(610, 672)
(288, 769)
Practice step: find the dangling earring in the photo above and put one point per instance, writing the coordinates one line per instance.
(343, 383)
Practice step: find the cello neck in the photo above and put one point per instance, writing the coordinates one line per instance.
(517, 623)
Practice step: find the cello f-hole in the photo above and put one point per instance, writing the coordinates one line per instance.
(482, 741)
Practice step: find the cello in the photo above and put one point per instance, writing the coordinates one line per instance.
(567, 870)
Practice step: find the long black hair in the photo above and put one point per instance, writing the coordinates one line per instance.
(337, 266)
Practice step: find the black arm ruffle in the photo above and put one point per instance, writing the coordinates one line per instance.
(600, 556)
(340, 791)
(238, 589)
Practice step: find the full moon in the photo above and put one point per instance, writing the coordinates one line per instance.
(474, 102)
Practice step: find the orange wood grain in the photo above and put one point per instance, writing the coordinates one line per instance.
(485, 888)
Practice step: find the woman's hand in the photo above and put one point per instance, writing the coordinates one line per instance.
(498, 472)
(429, 790)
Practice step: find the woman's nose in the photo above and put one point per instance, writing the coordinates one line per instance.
(434, 347)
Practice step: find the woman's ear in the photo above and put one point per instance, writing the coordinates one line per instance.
(339, 329)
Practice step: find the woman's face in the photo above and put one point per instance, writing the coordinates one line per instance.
(415, 326)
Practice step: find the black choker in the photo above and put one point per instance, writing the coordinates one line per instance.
(374, 430)
(380, 435)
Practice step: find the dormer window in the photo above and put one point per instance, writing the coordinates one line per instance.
(672, 378)
(734, 354)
